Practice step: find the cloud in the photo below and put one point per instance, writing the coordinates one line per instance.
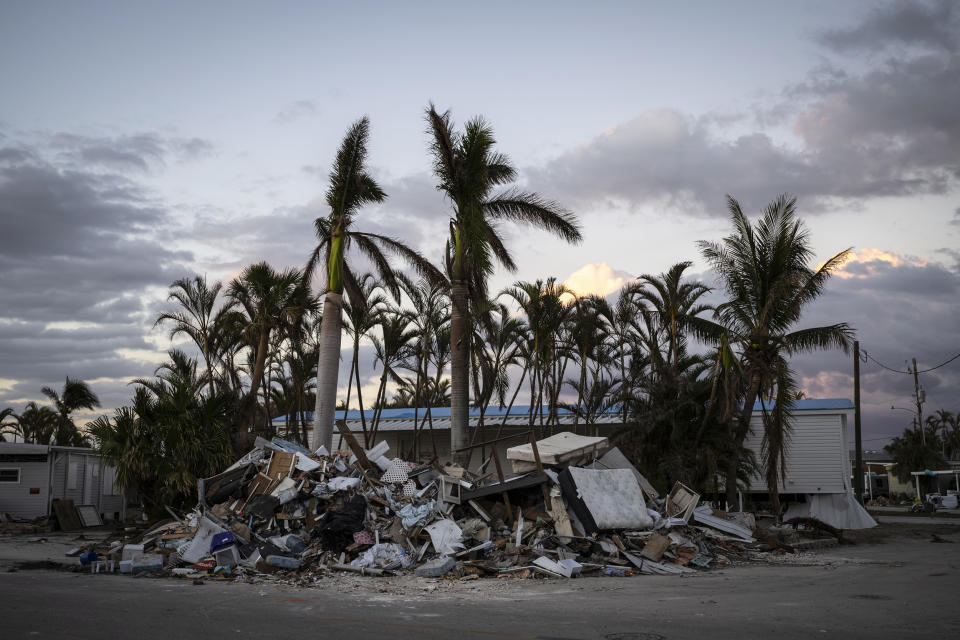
(901, 308)
(889, 128)
(142, 152)
(294, 111)
(79, 262)
(598, 279)
(931, 24)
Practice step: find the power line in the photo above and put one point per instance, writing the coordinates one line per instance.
(908, 372)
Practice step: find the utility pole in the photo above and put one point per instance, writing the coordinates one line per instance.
(858, 443)
(916, 393)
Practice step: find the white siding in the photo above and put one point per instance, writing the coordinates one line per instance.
(16, 499)
(816, 454)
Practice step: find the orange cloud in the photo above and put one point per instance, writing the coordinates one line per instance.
(597, 278)
(869, 257)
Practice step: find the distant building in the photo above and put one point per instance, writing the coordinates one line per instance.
(817, 458)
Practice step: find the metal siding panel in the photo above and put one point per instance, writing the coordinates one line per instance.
(812, 463)
(59, 476)
(16, 500)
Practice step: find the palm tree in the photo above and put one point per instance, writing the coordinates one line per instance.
(351, 187)
(8, 426)
(76, 394)
(542, 303)
(35, 424)
(391, 349)
(468, 169)
(588, 333)
(268, 300)
(673, 302)
(915, 450)
(429, 318)
(199, 318)
(942, 419)
(172, 434)
(362, 316)
(765, 271)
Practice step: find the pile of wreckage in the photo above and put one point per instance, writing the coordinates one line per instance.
(572, 506)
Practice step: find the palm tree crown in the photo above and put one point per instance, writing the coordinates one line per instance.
(468, 170)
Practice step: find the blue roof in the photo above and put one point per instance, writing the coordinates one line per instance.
(436, 412)
(805, 404)
(811, 404)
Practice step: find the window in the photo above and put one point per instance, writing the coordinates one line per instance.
(10, 474)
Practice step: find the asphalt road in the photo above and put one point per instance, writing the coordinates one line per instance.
(900, 588)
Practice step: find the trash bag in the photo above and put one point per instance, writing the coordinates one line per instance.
(336, 533)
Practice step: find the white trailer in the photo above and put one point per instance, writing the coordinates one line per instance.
(817, 454)
(32, 476)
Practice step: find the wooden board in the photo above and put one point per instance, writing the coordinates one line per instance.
(281, 465)
(66, 515)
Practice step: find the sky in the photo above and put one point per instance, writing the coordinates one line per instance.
(142, 143)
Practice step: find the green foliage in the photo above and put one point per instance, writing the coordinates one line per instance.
(172, 434)
(910, 453)
(765, 270)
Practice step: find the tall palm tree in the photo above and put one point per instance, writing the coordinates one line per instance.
(268, 300)
(351, 187)
(468, 170)
(76, 394)
(765, 270)
(199, 318)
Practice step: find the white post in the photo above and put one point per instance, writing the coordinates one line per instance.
(917, 478)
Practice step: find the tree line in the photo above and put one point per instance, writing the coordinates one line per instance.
(683, 374)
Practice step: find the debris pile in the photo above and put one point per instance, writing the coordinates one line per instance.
(567, 511)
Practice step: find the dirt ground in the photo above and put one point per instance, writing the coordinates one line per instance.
(47, 551)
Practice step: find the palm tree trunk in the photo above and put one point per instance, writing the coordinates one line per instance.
(328, 368)
(356, 368)
(503, 422)
(346, 405)
(256, 377)
(743, 428)
(459, 371)
(378, 403)
(583, 384)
